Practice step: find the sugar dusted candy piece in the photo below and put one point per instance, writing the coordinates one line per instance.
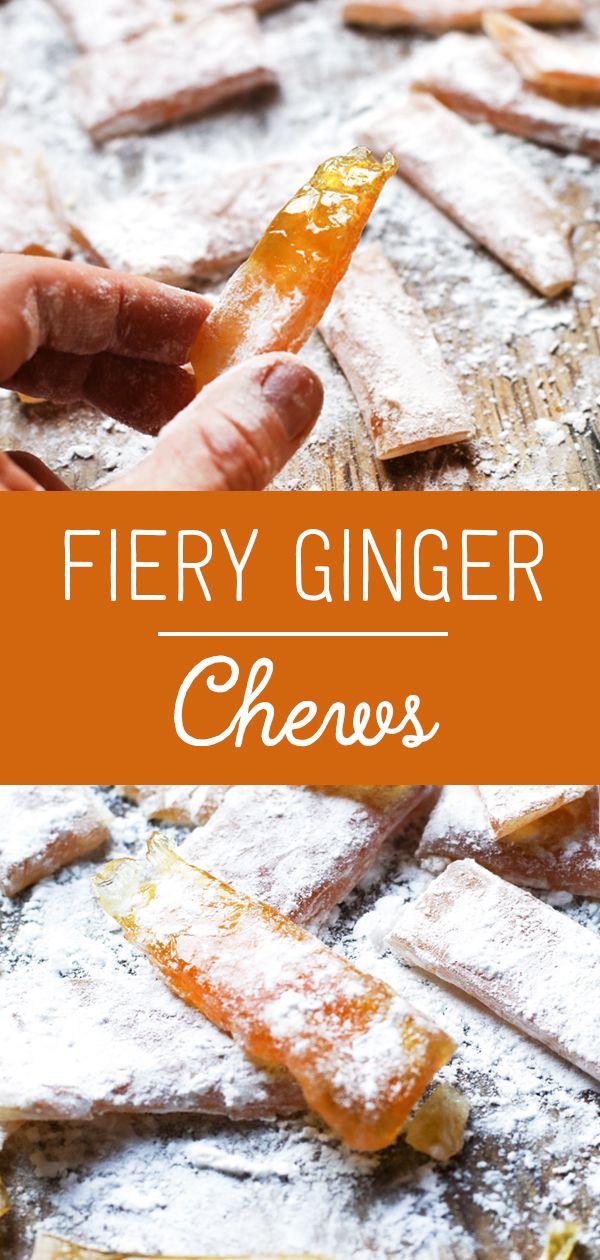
(5, 1201)
(106, 21)
(530, 964)
(277, 297)
(199, 231)
(385, 347)
(561, 1241)
(468, 74)
(100, 1044)
(184, 803)
(545, 62)
(472, 180)
(169, 73)
(50, 1247)
(44, 827)
(560, 850)
(438, 1125)
(445, 15)
(301, 849)
(361, 1055)
(514, 805)
(31, 219)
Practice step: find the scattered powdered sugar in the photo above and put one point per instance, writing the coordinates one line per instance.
(205, 1185)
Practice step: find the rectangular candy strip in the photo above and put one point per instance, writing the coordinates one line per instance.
(385, 347)
(468, 74)
(75, 1048)
(45, 827)
(194, 232)
(277, 297)
(107, 21)
(473, 181)
(514, 805)
(361, 1055)
(547, 63)
(31, 218)
(170, 72)
(51, 1247)
(560, 850)
(445, 15)
(187, 804)
(301, 849)
(530, 964)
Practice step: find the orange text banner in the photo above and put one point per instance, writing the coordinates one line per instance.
(315, 638)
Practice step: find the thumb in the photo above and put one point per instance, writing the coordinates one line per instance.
(237, 434)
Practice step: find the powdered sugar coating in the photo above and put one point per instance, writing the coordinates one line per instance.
(193, 232)
(469, 74)
(560, 850)
(45, 827)
(525, 961)
(384, 344)
(106, 21)
(301, 849)
(31, 217)
(170, 72)
(470, 177)
(360, 1053)
(513, 805)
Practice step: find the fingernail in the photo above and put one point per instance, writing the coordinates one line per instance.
(296, 394)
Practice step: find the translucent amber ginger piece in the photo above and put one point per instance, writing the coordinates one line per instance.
(187, 804)
(560, 850)
(438, 1125)
(361, 1055)
(561, 1241)
(277, 297)
(514, 805)
(49, 1247)
(5, 1203)
(544, 61)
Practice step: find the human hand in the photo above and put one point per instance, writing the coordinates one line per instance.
(71, 333)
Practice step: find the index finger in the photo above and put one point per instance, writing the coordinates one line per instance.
(87, 310)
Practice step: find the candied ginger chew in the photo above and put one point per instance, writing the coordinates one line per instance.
(151, 1052)
(301, 849)
(277, 297)
(385, 347)
(445, 15)
(5, 1202)
(106, 21)
(170, 72)
(187, 804)
(198, 231)
(438, 1125)
(51, 1247)
(561, 1241)
(44, 827)
(547, 63)
(468, 74)
(560, 850)
(514, 805)
(474, 182)
(31, 218)
(530, 964)
(361, 1055)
